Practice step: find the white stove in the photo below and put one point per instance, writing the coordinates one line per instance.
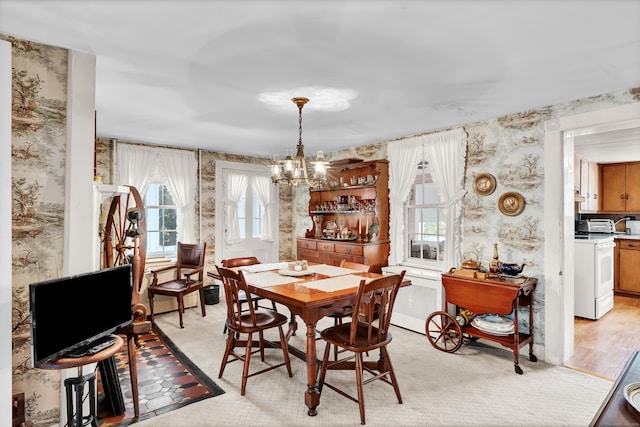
(593, 276)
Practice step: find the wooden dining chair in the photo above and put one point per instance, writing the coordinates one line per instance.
(189, 277)
(253, 298)
(366, 332)
(248, 322)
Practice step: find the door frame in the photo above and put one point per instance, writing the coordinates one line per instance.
(222, 165)
(559, 221)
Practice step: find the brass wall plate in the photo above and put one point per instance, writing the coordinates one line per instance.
(484, 184)
(511, 203)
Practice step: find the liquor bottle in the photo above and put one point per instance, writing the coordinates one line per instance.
(493, 265)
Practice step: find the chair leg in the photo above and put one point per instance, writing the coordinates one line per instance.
(202, 304)
(151, 295)
(245, 371)
(359, 384)
(231, 343)
(180, 309)
(261, 344)
(323, 367)
(392, 374)
(285, 351)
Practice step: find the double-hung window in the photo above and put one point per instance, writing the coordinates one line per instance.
(161, 221)
(425, 217)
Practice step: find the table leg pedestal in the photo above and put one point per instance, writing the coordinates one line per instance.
(312, 395)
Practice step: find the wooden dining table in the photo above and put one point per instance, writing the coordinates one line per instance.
(307, 297)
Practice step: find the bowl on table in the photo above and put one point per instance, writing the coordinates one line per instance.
(510, 268)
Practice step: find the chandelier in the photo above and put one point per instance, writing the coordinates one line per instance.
(293, 170)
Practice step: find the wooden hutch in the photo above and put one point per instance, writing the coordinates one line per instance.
(350, 216)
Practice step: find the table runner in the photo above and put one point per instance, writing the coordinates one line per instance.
(269, 278)
(335, 283)
(331, 270)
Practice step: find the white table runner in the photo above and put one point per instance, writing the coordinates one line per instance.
(331, 270)
(269, 278)
(256, 268)
(335, 283)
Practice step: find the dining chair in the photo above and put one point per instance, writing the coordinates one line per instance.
(240, 322)
(241, 262)
(189, 277)
(367, 331)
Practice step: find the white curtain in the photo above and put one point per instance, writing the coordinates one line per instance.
(403, 165)
(236, 188)
(446, 152)
(138, 166)
(180, 177)
(262, 188)
(135, 166)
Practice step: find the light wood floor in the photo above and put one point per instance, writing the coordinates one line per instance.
(603, 346)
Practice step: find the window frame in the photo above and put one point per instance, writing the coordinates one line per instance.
(423, 176)
(160, 208)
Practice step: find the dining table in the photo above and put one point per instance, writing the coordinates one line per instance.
(310, 294)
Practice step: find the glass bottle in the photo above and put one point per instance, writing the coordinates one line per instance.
(493, 265)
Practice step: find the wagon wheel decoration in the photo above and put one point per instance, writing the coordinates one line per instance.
(125, 240)
(444, 332)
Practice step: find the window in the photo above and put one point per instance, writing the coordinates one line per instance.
(426, 219)
(252, 205)
(161, 221)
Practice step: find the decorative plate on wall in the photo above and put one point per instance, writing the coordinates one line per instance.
(511, 203)
(484, 184)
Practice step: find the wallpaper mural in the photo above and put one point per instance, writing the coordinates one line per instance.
(511, 148)
(39, 95)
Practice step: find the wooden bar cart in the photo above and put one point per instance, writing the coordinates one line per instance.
(501, 295)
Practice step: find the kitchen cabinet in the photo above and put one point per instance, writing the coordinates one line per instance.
(587, 181)
(621, 187)
(351, 216)
(627, 267)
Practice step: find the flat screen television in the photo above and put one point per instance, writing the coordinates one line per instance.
(72, 312)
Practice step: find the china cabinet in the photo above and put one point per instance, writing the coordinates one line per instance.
(350, 216)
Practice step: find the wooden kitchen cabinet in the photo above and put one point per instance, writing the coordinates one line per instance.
(356, 201)
(627, 267)
(621, 187)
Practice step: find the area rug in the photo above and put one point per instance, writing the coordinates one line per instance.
(167, 380)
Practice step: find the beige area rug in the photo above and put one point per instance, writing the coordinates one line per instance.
(475, 386)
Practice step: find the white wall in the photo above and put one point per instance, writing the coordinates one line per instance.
(5, 233)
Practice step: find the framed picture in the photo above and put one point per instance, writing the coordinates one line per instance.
(511, 203)
(484, 184)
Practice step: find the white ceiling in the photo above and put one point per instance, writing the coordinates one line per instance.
(188, 73)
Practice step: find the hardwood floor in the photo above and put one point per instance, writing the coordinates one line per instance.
(603, 346)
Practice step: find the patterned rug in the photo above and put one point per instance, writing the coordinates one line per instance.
(167, 380)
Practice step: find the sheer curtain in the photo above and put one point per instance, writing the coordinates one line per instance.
(446, 152)
(180, 177)
(135, 166)
(262, 188)
(236, 188)
(138, 166)
(402, 171)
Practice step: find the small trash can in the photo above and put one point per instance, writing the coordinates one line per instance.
(212, 294)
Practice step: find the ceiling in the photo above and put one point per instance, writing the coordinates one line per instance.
(189, 73)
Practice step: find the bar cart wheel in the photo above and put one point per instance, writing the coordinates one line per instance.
(444, 332)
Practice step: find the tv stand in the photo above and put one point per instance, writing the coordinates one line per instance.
(75, 386)
(93, 347)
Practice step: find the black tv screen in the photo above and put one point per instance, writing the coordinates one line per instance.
(71, 312)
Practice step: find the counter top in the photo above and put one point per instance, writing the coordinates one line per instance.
(627, 236)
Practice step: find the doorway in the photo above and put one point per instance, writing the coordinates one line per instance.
(559, 220)
(246, 212)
